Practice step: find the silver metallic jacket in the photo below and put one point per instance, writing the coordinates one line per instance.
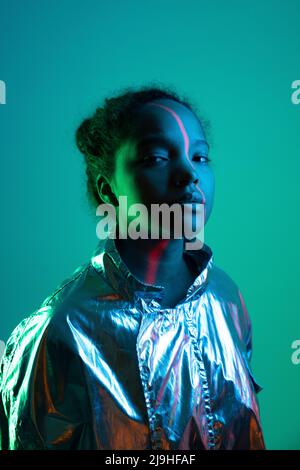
(100, 365)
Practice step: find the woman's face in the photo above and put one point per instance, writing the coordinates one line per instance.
(165, 159)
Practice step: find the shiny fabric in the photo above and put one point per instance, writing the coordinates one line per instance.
(100, 365)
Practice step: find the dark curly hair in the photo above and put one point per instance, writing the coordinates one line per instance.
(99, 137)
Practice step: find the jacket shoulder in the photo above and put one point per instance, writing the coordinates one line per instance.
(28, 332)
(229, 294)
(225, 285)
(72, 294)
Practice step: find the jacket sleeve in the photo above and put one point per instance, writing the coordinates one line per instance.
(44, 397)
(246, 321)
(248, 331)
(3, 420)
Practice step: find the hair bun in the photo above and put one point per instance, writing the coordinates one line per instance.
(83, 137)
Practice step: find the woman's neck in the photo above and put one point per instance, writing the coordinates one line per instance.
(152, 261)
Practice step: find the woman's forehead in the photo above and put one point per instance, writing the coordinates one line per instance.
(169, 117)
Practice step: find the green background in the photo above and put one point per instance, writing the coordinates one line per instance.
(236, 60)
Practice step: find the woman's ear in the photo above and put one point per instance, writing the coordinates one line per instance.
(105, 192)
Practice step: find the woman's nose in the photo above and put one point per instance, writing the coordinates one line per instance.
(185, 174)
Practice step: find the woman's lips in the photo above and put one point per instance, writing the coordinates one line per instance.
(190, 198)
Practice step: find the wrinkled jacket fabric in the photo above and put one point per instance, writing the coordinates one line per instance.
(100, 365)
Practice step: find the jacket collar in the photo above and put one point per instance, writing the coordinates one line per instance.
(107, 260)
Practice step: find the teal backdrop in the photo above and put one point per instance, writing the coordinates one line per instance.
(236, 60)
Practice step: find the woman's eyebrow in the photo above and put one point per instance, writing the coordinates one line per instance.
(156, 138)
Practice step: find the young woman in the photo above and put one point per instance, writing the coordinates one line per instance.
(147, 345)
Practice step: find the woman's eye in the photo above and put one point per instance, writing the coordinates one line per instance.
(198, 158)
(154, 159)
